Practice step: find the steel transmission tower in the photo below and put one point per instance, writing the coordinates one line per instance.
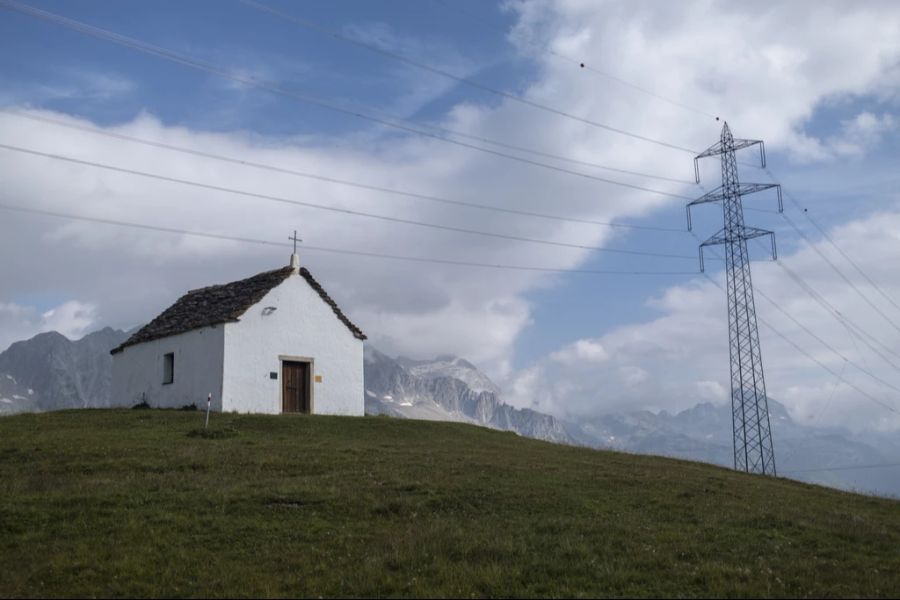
(753, 449)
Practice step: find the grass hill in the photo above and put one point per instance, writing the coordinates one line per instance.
(135, 503)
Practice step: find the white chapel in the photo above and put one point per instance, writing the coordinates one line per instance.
(275, 342)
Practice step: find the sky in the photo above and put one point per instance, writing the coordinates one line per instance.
(486, 104)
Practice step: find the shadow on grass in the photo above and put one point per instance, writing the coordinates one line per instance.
(213, 434)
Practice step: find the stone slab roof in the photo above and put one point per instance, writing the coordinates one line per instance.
(225, 303)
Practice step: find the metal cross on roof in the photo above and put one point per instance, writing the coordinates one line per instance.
(295, 239)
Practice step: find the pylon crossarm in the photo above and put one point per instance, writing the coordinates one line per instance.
(751, 188)
(718, 194)
(703, 200)
(748, 233)
(717, 149)
(715, 195)
(715, 240)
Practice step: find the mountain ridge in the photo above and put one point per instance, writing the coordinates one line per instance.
(424, 390)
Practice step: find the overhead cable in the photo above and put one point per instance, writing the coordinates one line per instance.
(329, 179)
(306, 23)
(346, 211)
(582, 64)
(257, 241)
(306, 98)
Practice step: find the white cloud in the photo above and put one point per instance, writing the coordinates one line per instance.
(74, 82)
(72, 319)
(655, 365)
(419, 87)
(862, 133)
(583, 350)
(712, 391)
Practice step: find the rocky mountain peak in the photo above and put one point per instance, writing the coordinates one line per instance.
(448, 388)
(53, 372)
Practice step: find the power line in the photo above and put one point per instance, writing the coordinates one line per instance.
(826, 344)
(846, 468)
(246, 240)
(852, 328)
(834, 267)
(357, 213)
(820, 299)
(581, 63)
(828, 238)
(820, 340)
(840, 273)
(821, 412)
(328, 179)
(828, 369)
(853, 263)
(799, 349)
(464, 80)
(276, 89)
(546, 154)
(824, 303)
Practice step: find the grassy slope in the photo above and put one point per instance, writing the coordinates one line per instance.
(116, 503)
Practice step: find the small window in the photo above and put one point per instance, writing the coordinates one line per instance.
(169, 367)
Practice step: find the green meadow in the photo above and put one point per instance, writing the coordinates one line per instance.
(118, 503)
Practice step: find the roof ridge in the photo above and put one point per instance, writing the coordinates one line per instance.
(219, 285)
(357, 332)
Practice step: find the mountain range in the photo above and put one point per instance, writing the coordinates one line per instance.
(51, 372)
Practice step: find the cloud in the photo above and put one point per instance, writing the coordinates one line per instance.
(420, 87)
(72, 319)
(862, 133)
(96, 85)
(82, 83)
(581, 351)
(681, 358)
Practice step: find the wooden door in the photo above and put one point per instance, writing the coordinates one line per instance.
(295, 387)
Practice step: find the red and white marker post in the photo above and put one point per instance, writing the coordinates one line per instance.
(208, 402)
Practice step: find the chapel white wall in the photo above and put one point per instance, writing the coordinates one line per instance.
(137, 371)
(302, 325)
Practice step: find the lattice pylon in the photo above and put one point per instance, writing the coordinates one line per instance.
(754, 450)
